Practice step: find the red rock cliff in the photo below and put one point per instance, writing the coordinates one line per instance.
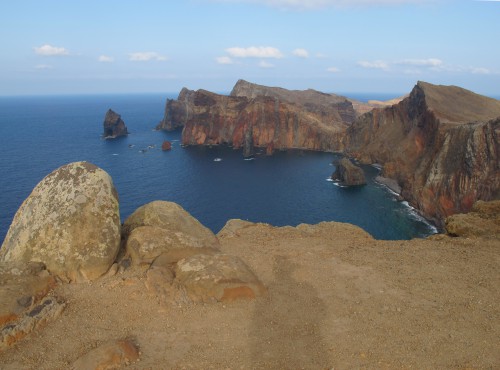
(440, 144)
(272, 123)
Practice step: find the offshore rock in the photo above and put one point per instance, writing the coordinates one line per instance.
(348, 174)
(114, 125)
(70, 222)
(180, 225)
(167, 145)
(440, 144)
(264, 121)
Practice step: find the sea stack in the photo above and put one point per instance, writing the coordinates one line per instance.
(114, 125)
(348, 174)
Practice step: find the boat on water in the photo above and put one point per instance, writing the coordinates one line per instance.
(217, 159)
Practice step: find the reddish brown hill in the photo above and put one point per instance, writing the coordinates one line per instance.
(260, 121)
(440, 144)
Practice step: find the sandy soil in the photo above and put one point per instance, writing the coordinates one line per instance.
(336, 299)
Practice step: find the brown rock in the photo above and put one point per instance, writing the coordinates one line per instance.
(173, 218)
(348, 174)
(146, 243)
(111, 355)
(219, 277)
(482, 221)
(114, 125)
(70, 223)
(167, 145)
(260, 121)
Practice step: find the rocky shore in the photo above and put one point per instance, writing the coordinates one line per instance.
(162, 291)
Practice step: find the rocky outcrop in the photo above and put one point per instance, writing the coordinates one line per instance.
(167, 145)
(114, 125)
(440, 144)
(183, 229)
(212, 119)
(482, 221)
(348, 174)
(70, 223)
(216, 278)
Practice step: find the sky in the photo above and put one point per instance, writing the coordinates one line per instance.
(341, 46)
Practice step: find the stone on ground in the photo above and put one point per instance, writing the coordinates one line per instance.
(219, 277)
(146, 243)
(111, 355)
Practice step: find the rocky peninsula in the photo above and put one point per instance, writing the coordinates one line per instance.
(162, 291)
(439, 144)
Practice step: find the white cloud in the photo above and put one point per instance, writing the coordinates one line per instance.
(376, 64)
(264, 64)
(430, 62)
(333, 69)
(301, 53)
(43, 66)
(49, 50)
(146, 57)
(480, 70)
(224, 60)
(255, 52)
(105, 59)
(319, 4)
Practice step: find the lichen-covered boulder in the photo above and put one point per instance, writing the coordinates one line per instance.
(70, 222)
(173, 218)
(218, 277)
(146, 243)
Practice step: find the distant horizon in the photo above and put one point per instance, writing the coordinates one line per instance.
(106, 47)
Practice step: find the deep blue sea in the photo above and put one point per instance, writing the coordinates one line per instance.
(40, 134)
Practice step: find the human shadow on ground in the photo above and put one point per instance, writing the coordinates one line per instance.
(286, 327)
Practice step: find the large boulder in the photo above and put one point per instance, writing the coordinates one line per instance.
(70, 222)
(146, 243)
(348, 174)
(218, 277)
(174, 219)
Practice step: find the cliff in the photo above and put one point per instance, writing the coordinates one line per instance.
(264, 121)
(114, 125)
(440, 144)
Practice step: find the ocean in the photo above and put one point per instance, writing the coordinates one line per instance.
(42, 133)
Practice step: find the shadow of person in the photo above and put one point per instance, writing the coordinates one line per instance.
(286, 325)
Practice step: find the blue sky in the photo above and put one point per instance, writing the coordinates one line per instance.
(125, 46)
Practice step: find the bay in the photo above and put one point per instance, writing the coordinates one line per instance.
(39, 134)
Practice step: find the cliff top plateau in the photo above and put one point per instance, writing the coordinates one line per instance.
(173, 295)
(452, 104)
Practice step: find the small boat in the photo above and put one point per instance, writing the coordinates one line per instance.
(217, 159)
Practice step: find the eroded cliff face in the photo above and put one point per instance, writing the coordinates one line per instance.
(265, 121)
(440, 144)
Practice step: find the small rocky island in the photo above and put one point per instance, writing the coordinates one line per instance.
(113, 125)
(348, 174)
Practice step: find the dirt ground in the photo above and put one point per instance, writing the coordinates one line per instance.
(337, 299)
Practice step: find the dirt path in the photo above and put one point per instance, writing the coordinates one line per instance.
(336, 299)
